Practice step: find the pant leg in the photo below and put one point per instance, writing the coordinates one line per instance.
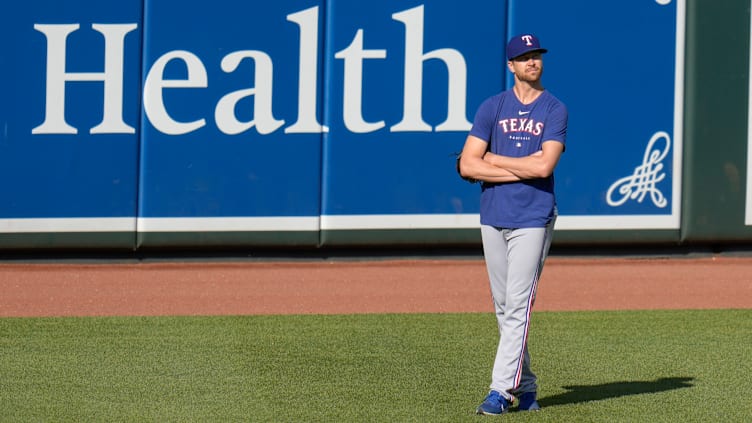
(495, 255)
(521, 254)
(528, 380)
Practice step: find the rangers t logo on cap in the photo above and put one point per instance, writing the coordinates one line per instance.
(523, 44)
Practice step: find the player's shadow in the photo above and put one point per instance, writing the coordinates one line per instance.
(584, 393)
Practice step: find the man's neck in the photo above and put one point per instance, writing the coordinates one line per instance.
(527, 92)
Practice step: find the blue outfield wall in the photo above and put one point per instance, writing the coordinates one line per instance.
(298, 123)
(68, 164)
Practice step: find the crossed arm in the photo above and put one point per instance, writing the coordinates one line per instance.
(477, 163)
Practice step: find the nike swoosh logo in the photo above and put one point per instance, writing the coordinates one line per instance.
(521, 113)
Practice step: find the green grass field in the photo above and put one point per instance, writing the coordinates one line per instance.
(637, 366)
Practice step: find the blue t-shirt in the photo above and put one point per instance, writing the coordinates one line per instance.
(517, 130)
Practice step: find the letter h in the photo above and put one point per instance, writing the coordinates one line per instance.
(413, 95)
(112, 120)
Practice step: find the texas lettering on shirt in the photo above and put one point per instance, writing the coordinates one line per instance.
(521, 125)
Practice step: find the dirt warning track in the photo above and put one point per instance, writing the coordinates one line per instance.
(369, 286)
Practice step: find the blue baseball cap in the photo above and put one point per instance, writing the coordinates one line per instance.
(523, 44)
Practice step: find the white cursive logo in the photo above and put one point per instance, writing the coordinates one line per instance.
(644, 178)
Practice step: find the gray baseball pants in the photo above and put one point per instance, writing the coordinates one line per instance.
(514, 260)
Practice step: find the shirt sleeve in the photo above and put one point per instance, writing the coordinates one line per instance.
(483, 124)
(556, 124)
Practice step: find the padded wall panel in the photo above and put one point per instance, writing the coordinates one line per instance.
(403, 82)
(717, 122)
(69, 116)
(231, 123)
(619, 68)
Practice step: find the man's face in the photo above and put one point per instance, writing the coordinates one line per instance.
(528, 67)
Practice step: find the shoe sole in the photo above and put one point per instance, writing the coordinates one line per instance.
(486, 413)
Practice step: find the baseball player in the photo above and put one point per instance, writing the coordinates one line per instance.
(513, 147)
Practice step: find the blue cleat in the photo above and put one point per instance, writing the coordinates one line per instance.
(493, 405)
(528, 402)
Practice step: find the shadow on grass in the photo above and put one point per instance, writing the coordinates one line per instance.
(584, 393)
